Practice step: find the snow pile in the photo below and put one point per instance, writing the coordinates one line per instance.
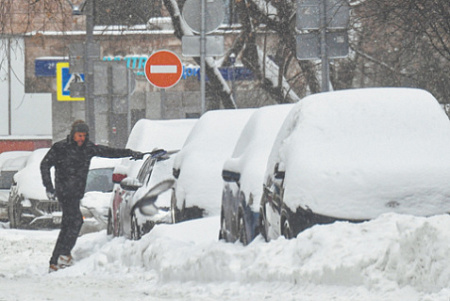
(393, 257)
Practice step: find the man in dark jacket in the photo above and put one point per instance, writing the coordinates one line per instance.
(71, 158)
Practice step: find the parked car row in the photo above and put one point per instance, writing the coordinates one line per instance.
(348, 155)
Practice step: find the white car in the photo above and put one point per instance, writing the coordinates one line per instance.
(99, 186)
(145, 136)
(10, 163)
(28, 205)
(353, 155)
(198, 166)
(243, 174)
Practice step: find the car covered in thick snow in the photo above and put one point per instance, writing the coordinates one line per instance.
(145, 136)
(10, 163)
(243, 174)
(99, 186)
(353, 155)
(198, 165)
(29, 206)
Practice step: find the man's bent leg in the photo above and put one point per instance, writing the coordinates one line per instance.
(72, 220)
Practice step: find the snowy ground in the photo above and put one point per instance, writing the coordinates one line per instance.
(394, 257)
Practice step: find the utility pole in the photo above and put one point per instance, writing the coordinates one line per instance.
(202, 56)
(323, 47)
(89, 69)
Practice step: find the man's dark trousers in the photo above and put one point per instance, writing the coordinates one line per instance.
(72, 219)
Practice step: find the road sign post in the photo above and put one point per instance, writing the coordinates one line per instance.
(322, 25)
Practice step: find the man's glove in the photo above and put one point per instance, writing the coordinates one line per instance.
(51, 195)
(137, 155)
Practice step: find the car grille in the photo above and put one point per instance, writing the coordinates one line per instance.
(49, 207)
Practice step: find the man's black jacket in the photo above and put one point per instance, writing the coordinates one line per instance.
(71, 164)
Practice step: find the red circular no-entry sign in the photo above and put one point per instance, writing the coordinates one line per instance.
(163, 69)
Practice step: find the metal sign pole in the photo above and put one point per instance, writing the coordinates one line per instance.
(202, 56)
(89, 70)
(323, 47)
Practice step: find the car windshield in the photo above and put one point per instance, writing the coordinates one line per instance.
(100, 179)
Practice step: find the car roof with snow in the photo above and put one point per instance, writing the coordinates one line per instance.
(147, 135)
(11, 155)
(253, 148)
(201, 159)
(359, 153)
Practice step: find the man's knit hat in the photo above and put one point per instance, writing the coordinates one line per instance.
(79, 126)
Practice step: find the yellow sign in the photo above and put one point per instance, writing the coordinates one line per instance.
(63, 80)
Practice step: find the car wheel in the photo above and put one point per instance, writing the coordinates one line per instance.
(175, 212)
(135, 229)
(15, 215)
(109, 228)
(117, 230)
(12, 220)
(286, 226)
(223, 226)
(263, 224)
(241, 230)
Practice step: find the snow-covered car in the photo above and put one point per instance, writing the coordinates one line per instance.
(140, 214)
(243, 174)
(353, 155)
(99, 186)
(198, 166)
(145, 136)
(10, 163)
(28, 205)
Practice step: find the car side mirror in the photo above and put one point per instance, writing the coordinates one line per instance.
(131, 184)
(230, 176)
(279, 171)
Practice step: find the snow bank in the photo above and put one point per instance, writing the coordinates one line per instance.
(393, 257)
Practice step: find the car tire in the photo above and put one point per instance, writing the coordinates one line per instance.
(223, 226)
(16, 215)
(286, 225)
(118, 230)
(174, 211)
(242, 232)
(12, 220)
(135, 229)
(109, 227)
(263, 224)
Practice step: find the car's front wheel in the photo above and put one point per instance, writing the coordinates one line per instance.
(263, 224)
(286, 225)
(15, 213)
(242, 232)
(223, 227)
(135, 228)
(109, 227)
